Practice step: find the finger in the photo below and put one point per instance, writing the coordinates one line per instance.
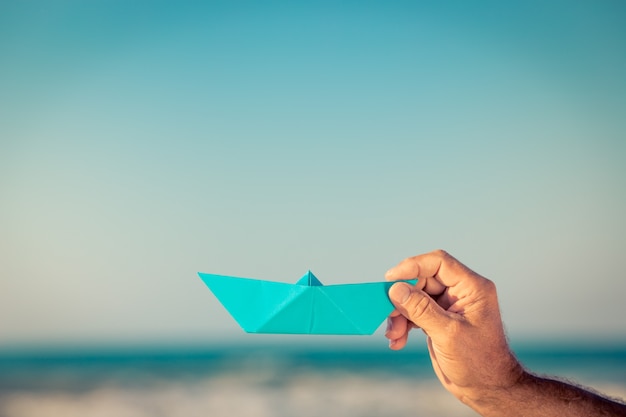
(399, 343)
(420, 308)
(394, 313)
(446, 300)
(443, 267)
(396, 327)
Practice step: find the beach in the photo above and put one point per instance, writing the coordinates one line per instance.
(276, 381)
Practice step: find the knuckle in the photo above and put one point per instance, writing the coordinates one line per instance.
(488, 286)
(418, 307)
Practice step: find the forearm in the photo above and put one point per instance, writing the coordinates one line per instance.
(534, 396)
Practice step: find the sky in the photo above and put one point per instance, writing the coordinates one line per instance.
(142, 142)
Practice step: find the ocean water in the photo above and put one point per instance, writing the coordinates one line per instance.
(266, 380)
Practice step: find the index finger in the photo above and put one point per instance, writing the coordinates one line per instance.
(435, 271)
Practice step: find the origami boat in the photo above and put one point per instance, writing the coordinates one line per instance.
(306, 307)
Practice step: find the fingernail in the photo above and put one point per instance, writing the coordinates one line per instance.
(400, 292)
(392, 342)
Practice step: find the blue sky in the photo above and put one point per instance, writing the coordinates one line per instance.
(141, 143)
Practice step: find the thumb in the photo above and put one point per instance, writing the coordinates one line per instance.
(419, 307)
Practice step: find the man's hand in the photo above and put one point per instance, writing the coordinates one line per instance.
(458, 310)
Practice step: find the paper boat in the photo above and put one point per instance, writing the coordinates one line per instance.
(306, 307)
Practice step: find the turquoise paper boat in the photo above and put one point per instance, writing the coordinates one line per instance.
(306, 307)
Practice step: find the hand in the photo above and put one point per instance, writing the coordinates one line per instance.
(458, 310)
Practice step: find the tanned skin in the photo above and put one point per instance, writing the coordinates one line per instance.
(458, 311)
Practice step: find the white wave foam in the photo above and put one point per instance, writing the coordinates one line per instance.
(305, 396)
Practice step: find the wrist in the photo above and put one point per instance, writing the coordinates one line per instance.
(500, 398)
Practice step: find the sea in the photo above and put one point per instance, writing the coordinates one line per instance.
(275, 379)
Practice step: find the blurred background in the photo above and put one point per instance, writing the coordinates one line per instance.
(142, 142)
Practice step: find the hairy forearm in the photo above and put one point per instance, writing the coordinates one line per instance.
(534, 396)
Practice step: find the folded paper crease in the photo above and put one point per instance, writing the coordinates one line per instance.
(306, 307)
